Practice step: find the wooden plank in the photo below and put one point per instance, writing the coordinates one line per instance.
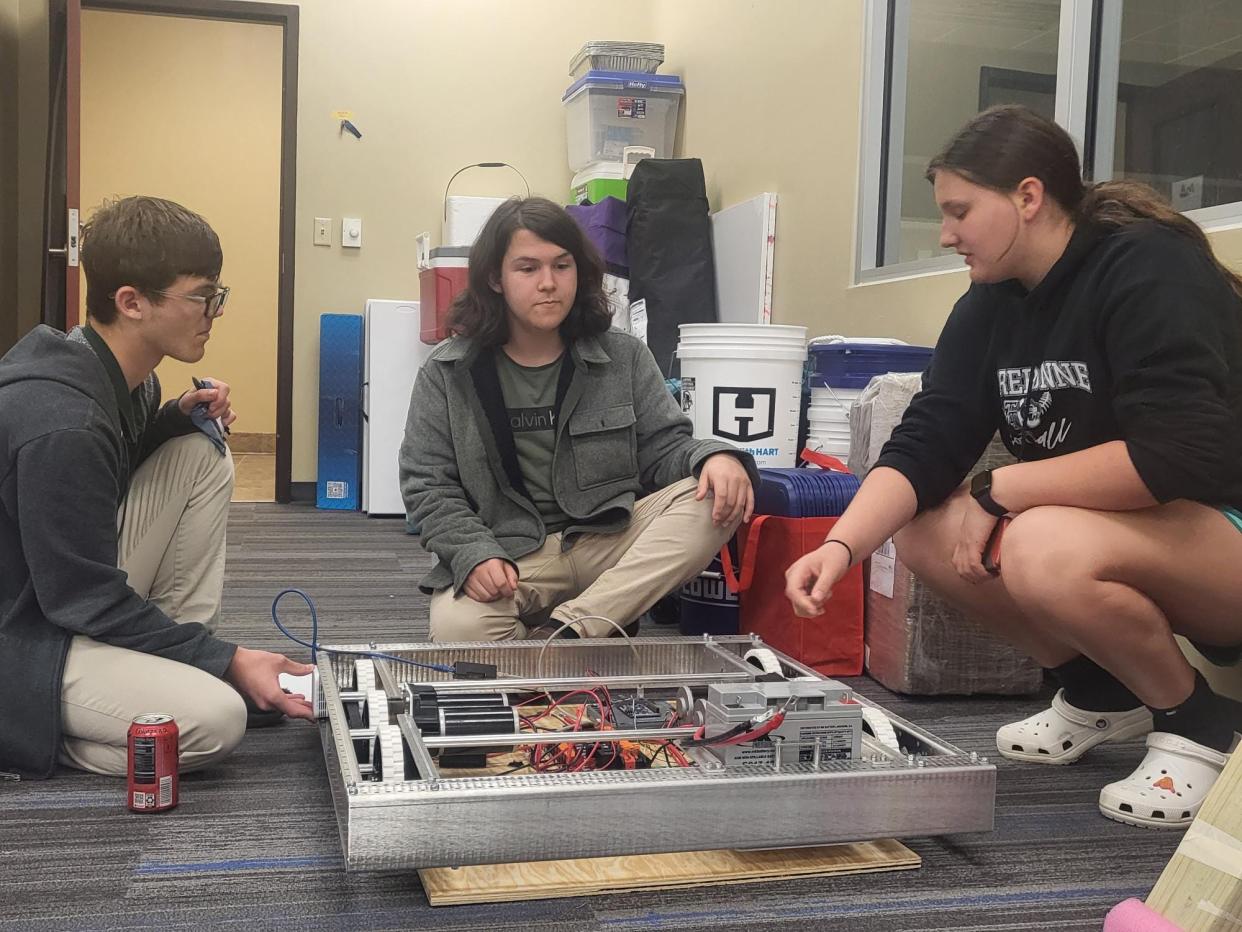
(500, 883)
(1200, 890)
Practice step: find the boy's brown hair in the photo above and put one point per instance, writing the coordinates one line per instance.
(147, 243)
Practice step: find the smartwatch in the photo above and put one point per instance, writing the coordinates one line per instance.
(981, 491)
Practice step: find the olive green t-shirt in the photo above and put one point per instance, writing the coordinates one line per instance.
(530, 404)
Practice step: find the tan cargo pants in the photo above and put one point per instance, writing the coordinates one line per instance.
(670, 539)
(171, 546)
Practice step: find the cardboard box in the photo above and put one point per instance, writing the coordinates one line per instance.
(914, 641)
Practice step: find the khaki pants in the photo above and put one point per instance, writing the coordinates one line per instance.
(171, 546)
(619, 576)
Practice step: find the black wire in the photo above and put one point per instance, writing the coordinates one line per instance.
(733, 732)
(663, 750)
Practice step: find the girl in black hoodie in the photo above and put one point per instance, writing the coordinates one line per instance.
(1103, 339)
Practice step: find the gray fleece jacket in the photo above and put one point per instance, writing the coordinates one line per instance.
(620, 435)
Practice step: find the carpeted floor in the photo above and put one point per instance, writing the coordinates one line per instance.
(254, 843)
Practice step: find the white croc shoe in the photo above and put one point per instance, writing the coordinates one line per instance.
(1063, 733)
(1169, 786)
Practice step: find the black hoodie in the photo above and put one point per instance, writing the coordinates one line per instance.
(1132, 335)
(65, 465)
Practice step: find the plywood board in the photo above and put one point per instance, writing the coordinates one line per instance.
(499, 883)
(1200, 890)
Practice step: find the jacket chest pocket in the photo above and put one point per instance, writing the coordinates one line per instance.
(603, 445)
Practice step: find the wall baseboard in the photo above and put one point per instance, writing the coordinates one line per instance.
(252, 443)
(302, 492)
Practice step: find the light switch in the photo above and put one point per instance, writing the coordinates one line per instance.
(351, 231)
(323, 231)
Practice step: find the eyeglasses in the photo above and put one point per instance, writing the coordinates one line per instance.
(213, 304)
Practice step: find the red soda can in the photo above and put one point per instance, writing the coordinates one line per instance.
(152, 763)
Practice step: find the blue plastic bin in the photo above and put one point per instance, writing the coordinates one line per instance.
(853, 365)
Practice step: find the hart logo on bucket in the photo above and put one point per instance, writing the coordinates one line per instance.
(742, 384)
(744, 414)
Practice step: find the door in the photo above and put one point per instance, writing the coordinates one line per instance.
(194, 102)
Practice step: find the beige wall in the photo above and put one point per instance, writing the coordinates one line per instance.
(206, 134)
(433, 86)
(8, 173)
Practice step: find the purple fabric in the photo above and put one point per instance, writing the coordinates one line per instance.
(604, 225)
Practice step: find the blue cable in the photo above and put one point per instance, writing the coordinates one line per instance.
(313, 643)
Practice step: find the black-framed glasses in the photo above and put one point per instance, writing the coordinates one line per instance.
(213, 304)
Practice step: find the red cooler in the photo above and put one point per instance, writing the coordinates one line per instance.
(441, 276)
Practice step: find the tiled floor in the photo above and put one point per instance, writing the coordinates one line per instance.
(254, 477)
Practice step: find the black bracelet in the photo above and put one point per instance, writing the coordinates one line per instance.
(848, 549)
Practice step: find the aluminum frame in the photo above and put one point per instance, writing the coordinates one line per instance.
(929, 788)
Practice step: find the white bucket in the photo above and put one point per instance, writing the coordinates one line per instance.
(828, 420)
(838, 448)
(742, 383)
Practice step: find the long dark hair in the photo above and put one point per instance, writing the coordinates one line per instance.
(480, 312)
(1002, 145)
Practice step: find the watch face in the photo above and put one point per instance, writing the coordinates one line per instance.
(981, 483)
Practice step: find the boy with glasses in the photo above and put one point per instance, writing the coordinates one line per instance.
(112, 515)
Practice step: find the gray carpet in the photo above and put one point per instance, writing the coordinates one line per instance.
(254, 842)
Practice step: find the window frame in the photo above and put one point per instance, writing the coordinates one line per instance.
(1087, 88)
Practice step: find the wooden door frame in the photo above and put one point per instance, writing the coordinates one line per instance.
(285, 16)
(59, 283)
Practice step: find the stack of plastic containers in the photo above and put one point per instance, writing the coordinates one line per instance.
(838, 372)
(616, 111)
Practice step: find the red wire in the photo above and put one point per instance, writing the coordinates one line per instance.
(770, 725)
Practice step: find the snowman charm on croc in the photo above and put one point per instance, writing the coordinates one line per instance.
(1168, 787)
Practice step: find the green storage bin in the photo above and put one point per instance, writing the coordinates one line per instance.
(597, 189)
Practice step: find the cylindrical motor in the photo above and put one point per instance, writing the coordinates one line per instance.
(416, 701)
(494, 721)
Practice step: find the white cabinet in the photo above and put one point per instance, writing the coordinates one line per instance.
(394, 352)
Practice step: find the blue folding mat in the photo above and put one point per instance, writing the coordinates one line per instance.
(339, 483)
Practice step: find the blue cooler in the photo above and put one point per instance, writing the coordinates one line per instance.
(804, 493)
(707, 604)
